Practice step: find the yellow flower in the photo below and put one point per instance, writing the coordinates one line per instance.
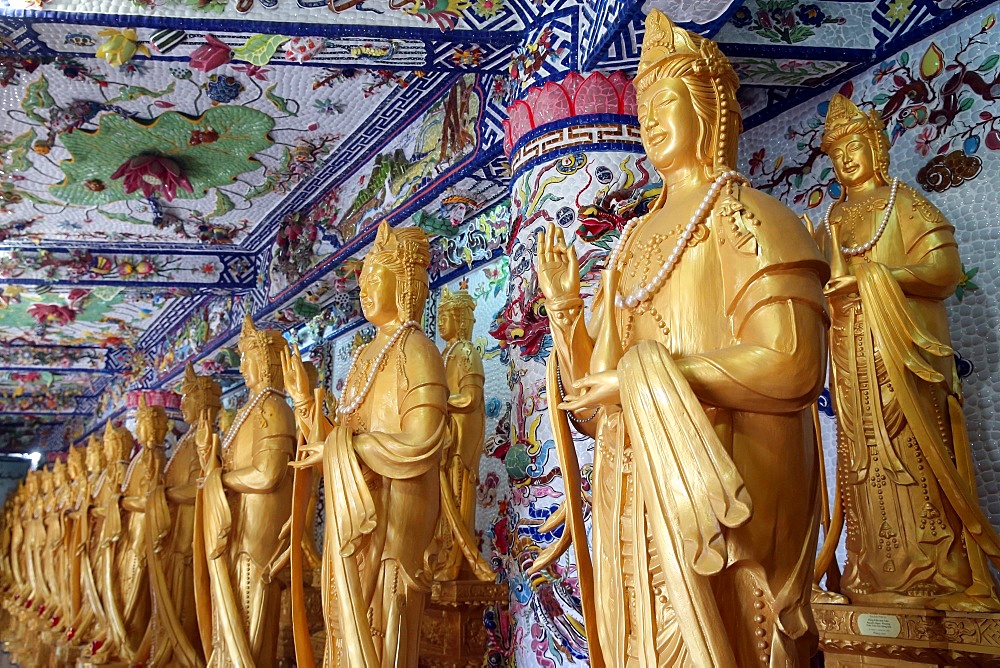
(120, 46)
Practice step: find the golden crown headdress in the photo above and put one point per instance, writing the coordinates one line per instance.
(204, 389)
(664, 41)
(252, 338)
(408, 245)
(457, 299)
(843, 118)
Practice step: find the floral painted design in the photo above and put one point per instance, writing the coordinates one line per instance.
(783, 21)
(214, 53)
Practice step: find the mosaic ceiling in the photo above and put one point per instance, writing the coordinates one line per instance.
(166, 165)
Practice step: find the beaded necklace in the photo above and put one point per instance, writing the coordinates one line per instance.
(646, 291)
(868, 245)
(355, 404)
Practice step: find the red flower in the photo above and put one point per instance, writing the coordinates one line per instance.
(52, 314)
(213, 54)
(153, 174)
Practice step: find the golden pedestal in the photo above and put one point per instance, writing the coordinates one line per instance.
(453, 634)
(855, 635)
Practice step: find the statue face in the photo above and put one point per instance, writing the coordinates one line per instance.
(668, 124)
(189, 409)
(448, 324)
(378, 293)
(250, 368)
(853, 160)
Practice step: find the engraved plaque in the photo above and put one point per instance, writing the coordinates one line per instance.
(882, 626)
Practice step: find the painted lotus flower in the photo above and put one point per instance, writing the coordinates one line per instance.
(154, 175)
(52, 314)
(214, 53)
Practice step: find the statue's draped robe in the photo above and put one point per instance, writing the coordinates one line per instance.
(244, 609)
(902, 453)
(127, 601)
(382, 511)
(460, 459)
(675, 585)
(171, 568)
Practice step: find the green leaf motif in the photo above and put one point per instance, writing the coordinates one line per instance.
(223, 204)
(130, 93)
(242, 132)
(18, 151)
(880, 99)
(259, 49)
(989, 63)
(904, 58)
(37, 96)
(279, 102)
(966, 104)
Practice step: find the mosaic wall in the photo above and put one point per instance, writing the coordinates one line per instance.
(939, 102)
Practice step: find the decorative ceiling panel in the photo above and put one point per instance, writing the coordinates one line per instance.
(243, 136)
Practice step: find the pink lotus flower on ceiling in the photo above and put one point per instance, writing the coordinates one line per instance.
(153, 174)
(214, 53)
(573, 96)
(52, 314)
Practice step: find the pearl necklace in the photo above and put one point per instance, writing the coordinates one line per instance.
(360, 397)
(704, 209)
(245, 413)
(868, 245)
(449, 350)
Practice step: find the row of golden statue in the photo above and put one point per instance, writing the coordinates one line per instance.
(126, 559)
(696, 375)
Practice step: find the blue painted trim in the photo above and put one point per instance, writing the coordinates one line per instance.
(566, 150)
(291, 28)
(571, 121)
(736, 50)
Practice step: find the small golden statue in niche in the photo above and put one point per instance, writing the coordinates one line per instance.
(696, 379)
(245, 501)
(463, 367)
(381, 459)
(175, 624)
(915, 533)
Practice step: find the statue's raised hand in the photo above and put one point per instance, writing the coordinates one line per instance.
(296, 378)
(558, 268)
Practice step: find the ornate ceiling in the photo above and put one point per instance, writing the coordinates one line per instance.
(284, 133)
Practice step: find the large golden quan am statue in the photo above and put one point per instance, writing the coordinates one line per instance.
(703, 357)
(916, 536)
(380, 460)
(239, 511)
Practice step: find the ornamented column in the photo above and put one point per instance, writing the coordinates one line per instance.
(576, 159)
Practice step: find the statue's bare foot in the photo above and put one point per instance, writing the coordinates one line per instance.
(823, 596)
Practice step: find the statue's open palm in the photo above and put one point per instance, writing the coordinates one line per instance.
(558, 267)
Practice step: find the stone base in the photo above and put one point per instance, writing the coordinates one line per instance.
(453, 634)
(856, 635)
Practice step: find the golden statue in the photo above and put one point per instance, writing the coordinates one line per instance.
(175, 624)
(91, 622)
(126, 590)
(240, 510)
(77, 470)
(696, 379)
(463, 367)
(915, 533)
(380, 460)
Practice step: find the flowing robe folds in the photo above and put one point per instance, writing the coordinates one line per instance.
(460, 463)
(705, 493)
(382, 489)
(915, 532)
(241, 510)
(171, 573)
(127, 602)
